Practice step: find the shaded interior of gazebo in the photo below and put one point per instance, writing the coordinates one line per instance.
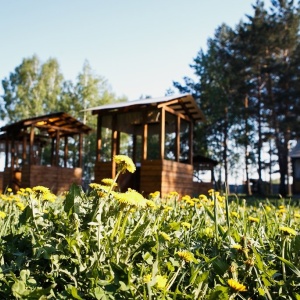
(158, 135)
(27, 143)
(203, 164)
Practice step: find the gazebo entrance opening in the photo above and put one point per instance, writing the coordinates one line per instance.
(157, 134)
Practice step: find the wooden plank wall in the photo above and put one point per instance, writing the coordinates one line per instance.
(57, 179)
(201, 188)
(166, 176)
(177, 177)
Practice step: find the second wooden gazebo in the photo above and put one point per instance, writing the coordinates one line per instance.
(157, 134)
(24, 143)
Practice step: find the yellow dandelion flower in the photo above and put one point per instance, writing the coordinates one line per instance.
(203, 198)
(147, 278)
(208, 232)
(190, 202)
(236, 286)
(281, 211)
(41, 189)
(49, 197)
(268, 208)
(253, 220)
(109, 182)
(9, 190)
(296, 215)
(168, 208)
(124, 163)
(154, 195)
(151, 204)
(2, 214)
(172, 195)
(186, 224)
(94, 186)
(131, 198)
(288, 230)
(211, 191)
(234, 214)
(237, 247)
(186, 198)
(186, 256)
(221, 198)
(161, 281)
(281, 206)
(20, 205)
(165, 236)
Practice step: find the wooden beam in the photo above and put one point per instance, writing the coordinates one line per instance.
(177, 146)
(57, 148)
(114, 143)
(60, 128)
(6, 150)
(66, 152)
(191, 128)
(145, 141)
(80, 164)
(162, 133)
(12, 151)
(52, 152)
(134, 148)
(24, 154)
(99, 138)
(174, 112)
(31, 142)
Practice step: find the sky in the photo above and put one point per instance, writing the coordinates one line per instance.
(139, 46)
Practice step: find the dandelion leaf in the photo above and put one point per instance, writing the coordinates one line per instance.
(70, 206)
(219, 293)
(220, 266)
(297, 296)
(25, 215)
(137, 234)
(290, 265)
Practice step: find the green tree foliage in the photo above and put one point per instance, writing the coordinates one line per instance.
(256, 63)
(91, 90)
(32, 89)
(36, 88)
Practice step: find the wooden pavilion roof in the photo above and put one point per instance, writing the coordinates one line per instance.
(52, 124)
(183, 104)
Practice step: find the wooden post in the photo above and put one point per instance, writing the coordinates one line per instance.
(144, 141)
(66, 151)
(191, 128)
(12, 151)
(31, 142)
(80, 164)
(6, 150)
(177, 154)
(134, 148)
(99, 138)
(162, 133)
(114, 143)
(57, 149)
(24, 154)
(52, 152)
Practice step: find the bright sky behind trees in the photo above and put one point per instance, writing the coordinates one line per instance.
(139, 46)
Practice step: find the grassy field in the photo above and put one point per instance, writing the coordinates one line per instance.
(103, 244)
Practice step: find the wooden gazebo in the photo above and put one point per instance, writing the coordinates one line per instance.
(157, 134)
(24, 143)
